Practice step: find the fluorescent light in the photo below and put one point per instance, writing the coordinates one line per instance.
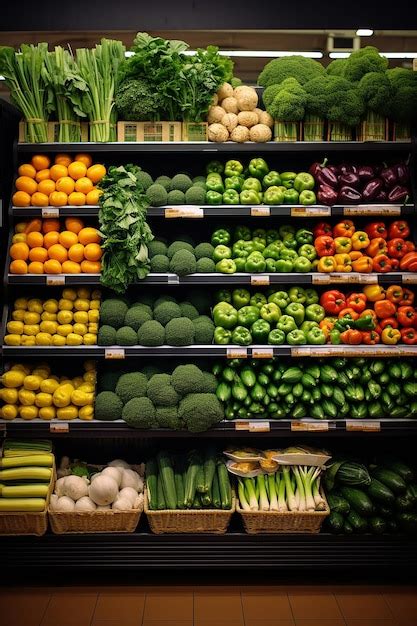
(364, 32)
(388, 55)
(339, 55)
(263, 53)
(2, 78)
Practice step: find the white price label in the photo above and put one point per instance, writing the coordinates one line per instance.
(173, 279)
(259, 427)
(260, 279)
(114, 353)
(192, 212)
(372, 209)
(320, 279)
(260, 211)
(241, 425)
(55, 280)
(50, 212)
(363, 426)
(237, 353)
(300, 351)
(309, 426)
(262, 353)
(344, 278)
(171, 213)
(409, 279)
(59, 427)
(311, 211)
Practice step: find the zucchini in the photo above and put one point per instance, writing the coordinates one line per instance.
(338, 504)
(194, 462)
(160, 503)
(377, 525)
(401, 469)
(358, 523)
(34, 490)
(166, 472)
(351, 473)
(390, 479)
(38, 460)
(408, 522)
(26, 473)
(335, 521)
(358, 500)
(216, 493)
(152, 483)
(209, 471)
(224, 485)
(347, 527)
(380, 492)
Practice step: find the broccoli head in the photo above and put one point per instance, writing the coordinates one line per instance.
(195, 195)
(131, 385)
(156, 247)
(336, 67)
(200, 411)
(147, 299)
(270, 93)
(362, 62)
(167, 417)
(334, 98)
(204, 330)
(205, 266)
(140, 413)
(179, 245)
(209, 384)
(300, 68)
(180, 332)
(204, 249)
(136, 316)
(150, 370)
(151, 333)
(404, 95)
(144, 179)
(182, 263)
(136, 100)
(108, 406)
(175, 196)
(126, 336)
(187, 379)
(182, 182)
(166, 311)
(376, 91)
(161, 392)
(165, 181)
(188, 310)
(159, 264)
(112, 312)
(165, 298)
(157, 195)
(201, 300)
(106, 336)
(287, 106)
(199, 179)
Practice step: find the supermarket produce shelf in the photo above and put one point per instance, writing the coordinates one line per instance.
(234, 550)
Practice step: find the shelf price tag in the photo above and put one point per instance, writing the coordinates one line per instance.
(262, 353)
(311, 211)
(49, 211)
(309, 426)
(260, 279)
(300, 351)
(260, 211)
(317, 351)
(59, 427)
(184, 211)
(55, 280)
(114, 353)
(320, 279)
(237, 353)
(172, 213)
(253, 426)
(363, 426)
(372, 209)
(173, 279)
(409, 279)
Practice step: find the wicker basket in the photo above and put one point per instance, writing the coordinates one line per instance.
(148, 131)
(287, 131)
(372, 130)
(94, 521)
(52, 130)
(208, 521)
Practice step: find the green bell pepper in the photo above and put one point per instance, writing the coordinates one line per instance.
(284, 266)
(290, 241)
(315, 312)
(308, 251)
(297, 294)
(271, 312)
(214, 197)
(303, 181)
(307, 197)
(286, 253)
(272, 251)
(276, 337)
(273, 195)
(226, 318)
(231, 196)
(315, 336)
(241, 336)
(221, 252)
(302, 265)
(304, 236)
(222, 336)
(286, 323)
(258, 299)
(311, 296)
(252, 184)
(242, 233)
(233, 182)
(284, 230)
(240, 298)
(233, 168)
(260, 331)
(259, 233)
(240, 264)
(365, 323)
(212, 184)
(247, 315)
(258, 168)
(291, 196)
(259, 244)
(296, 337)
(213, 176)
(220, 237)
(280, 298)
(308, 325)
(297, 311)
(214, 166)
(272, 179)
(255, 263)
(242, 248)
(224, 295)
(272, 235)
(249, 196)
(288, 179)
(226, 266)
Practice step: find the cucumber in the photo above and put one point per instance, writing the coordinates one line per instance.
(328, 374)
(209, 470)
(390, 479)
(358, 500)
(292, 375)
(224, 485)
(194, 462)
(308, 381)
(338, 396)
(401, 469)
(326, 390)
(216, 493)
(338, 504)
(377, 525)
(152, 483)
(161, 504)
(166, 471)
(347, 527)
(380, 492)
(405, 502)
(358, 523)
(335, 521)
(351, 473)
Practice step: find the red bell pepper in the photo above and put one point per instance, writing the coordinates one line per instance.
(333, 301)
(357, 301)
(394, 293)
(395, 264)
(410, 246)
(344, 229)
(376, 229)
(407, 316)
(409, 262)
(388, 321)
(409, 336)
(384, 308)
(352, 337)
(408, 297)
(322, 228)
(349, 312)
(382, 263)
(325, 245)
(370, 337)
(399, 228)
(376, 246)
(397, 248)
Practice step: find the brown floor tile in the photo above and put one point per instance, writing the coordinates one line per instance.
(273, 622)
(65, 609)
(219, 622)
(23, 608)
(120, 607)
(402, 605)
(178, 606)
(323, 622)
(363, 606)
(314, 606)
(372, 622)
(212, 606)
(116, 622)
(266, 606)
(218, 590)
(165, 623)
(407, 622)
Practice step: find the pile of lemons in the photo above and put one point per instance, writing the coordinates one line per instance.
(31, 391)
(70, 321)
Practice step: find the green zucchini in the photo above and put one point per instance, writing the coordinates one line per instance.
(161, 504)
(338, 504)
(166, 471)
(358, 500)
(377, 525)
(152, 483)
(400, 468)
(351, 473)
(347, 527)
(216, 493)
(390, 479)
(224, 485)
(380, 492)
(194, 462)
(358, 523)
(335, 521)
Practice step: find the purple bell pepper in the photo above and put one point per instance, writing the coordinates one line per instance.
(403, 173)
(372, 189)
(349, 195)
(350, 179)
(365, 173)
(348, 168)
(326, 195)
(398, 194)
(381, 196)
(389, 176)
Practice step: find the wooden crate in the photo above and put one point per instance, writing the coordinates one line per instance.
(372, 131)
(287, 131)
(337, 132)
(148, 131)
(194, 131)
(52, 129)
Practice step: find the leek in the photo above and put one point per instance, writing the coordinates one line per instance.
(273, 500)
(280, 483)
(291, 499)
(250, 492)
(308, 476)
(300, 489)
(263, 498)
(319, 501)
(242, 496)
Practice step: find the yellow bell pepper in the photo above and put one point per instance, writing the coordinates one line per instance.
(13, 378)
(64, 330)
(90, 339)
(21, 303)
(62, 395)
(360, 240)
(32, 382)
(86, 412)
(74, 340)
(69, 294)
(90, 377)
(48, 317)
(31, 329)
(83, 293)
(47, 412)
(31, 317)
(15, 328)
(28, 341)
(43, 372)
(390, 336)
(93, 315)
(81, 317)
(343, 262)
(13, 340)
(81, 398)
(326, 264)
(19, 367)
(35, 305)
(67, 413)
(28, 412)
(48, 327)
(65, 317)
(9, 396)
(9, 411)
(82, 304)
(43, 399)
(374, 293)
(18, 315)
(43, 339)
(79, 329)
(65, 305)
(58, 340)
(94, 305)
(51, 306)
(96, 294)
(26, 397)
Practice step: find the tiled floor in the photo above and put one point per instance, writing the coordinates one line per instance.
(209, 606)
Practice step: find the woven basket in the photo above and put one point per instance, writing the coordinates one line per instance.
(208, 521)
(94, 521)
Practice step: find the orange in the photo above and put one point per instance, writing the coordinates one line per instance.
(24, 183)
(93, 196)
(96, 172)
(58, 171)
(40, 162)
(84, 158)
(38, 254)
(27, 170)
(63, 159)
(34, 226)
(74, 224)
(50, 224)
(76, 198)
(35, 267)
(84, 185)
(58, 198)
(18, 267)
(77, 170)
(70, 267)
(21, 198)
(46, 186)
(65, 184)
(50, 239)
(58, 253)
(88, 235)
(19, 251)
(76, 252)
(91, 267)
(93, 252)
(39, 199)
(67, 239)
(34, 239)
(42, 175)
(52, 267)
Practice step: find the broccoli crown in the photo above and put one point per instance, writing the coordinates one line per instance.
(187, 379)
(175, 196)
(404, 95)
(108, 406)
(126, 336)
(287, 106)
(209, 384)
(136, 316)
(159, 263)
(131, 385)
(199, 179)
(136, 100)
(200, 411)
(235, 82)
(204, 249)
(157, 195)
(150, 370)
(161, 391)
(188, 310)
(167, 417)
(201, 300)
(108, 380)
(203, 319)
(162, 299)
(205, 266)
(112, 312)
(336, 67)
(270, 93)
(166, 311)
(362, 62)
(376, 91)
(204, 330)
(165, 181)
(179, 245)
(196, 195)
(156, 247)
(294, 66)
(144, 179)
(182, 182)
(151, 333)
(335, 98)
(182, 263)
(145, 300)
(106, 336)
(140, 413)
(180, 332)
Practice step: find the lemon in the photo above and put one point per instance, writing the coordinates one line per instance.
(58, 340)
(47, 412)
(86, 412)
(48, 327)
(21, 303)
(51, 306)
(32, 318)
(90, 339)
(18, 315)
(65, 305)
(67, 413)
(13, 340)
(43, 399)
(74, 340)
(94, 304)
(43, 339)
(79, 329)
(81, 317)
(81, 304)
(15, 328)
(64, 329)
(49, 385)
(28, 412)
(35, 305)
(28, 341)
(26, 397)
(8, 412)
(32, 382)
(69, 294)
(65, 317)
(83, 292)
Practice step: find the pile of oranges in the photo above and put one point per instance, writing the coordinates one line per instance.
(44, 247)
(66, 182)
